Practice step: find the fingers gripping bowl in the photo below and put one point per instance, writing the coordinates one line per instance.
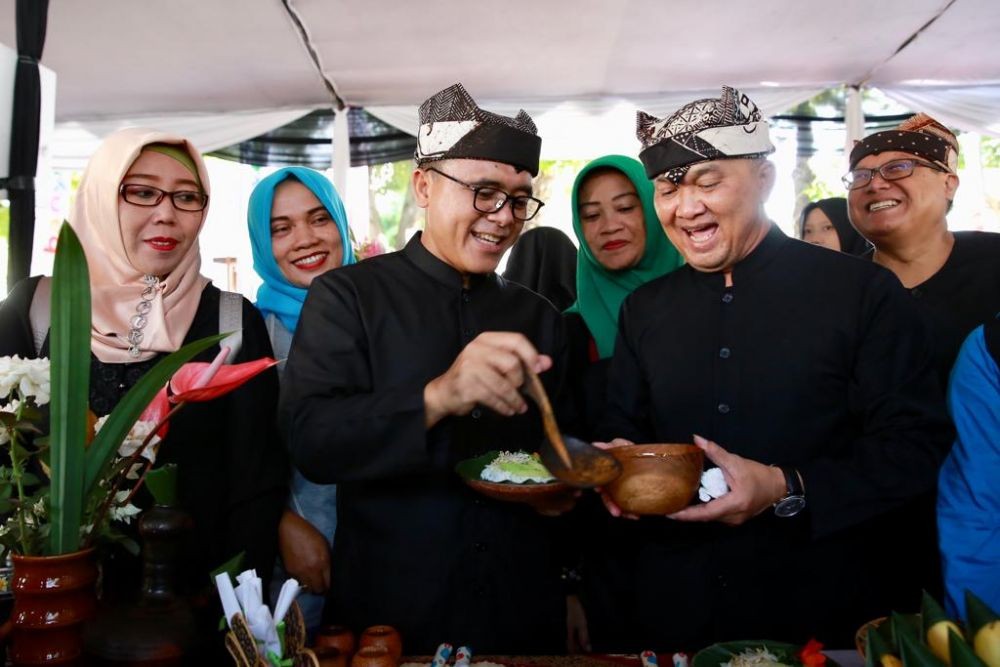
(656, 478)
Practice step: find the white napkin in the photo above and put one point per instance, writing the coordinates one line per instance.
(248, 598)
(713, 485)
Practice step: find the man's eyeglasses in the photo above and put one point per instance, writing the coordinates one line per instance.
(487, 199)
(147, 195)
(893, 170)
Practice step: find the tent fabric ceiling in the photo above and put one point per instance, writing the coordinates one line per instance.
(123, 58)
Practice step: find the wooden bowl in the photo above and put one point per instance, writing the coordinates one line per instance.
(336, 636)
(373, 656)
(656, 479)
(384, 636)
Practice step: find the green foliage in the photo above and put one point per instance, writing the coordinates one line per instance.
(818, 189)
(5, 221)
(989, 151)
(70, 349)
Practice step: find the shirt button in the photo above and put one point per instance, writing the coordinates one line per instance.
(722, 581)
(467, 332)
(466, 297)
(916, 293)
(725, 352)
(723, 408)
(727, 297)
(477, 413)
(480, 591)
(480, 547)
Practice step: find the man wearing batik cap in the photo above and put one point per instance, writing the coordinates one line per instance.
(408, 363)
(900, 188)
(805, 375)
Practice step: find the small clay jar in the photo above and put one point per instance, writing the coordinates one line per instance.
(383, 635)
(336, 636)
(331, 656)
(374, 656)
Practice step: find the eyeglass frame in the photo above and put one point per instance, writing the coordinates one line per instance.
(507, 196)
(917, 162)
(164, 193)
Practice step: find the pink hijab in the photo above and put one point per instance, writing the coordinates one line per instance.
(116, 285)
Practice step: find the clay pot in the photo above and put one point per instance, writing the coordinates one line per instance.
(53, 596)
(383, 635)
(374, 656)
(656, 479)
(331, 656)
(336, 636)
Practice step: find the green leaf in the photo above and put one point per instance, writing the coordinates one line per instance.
(30, 479)
(162, 483)
(930, 612)
(7, 420)
(125, 414)
(915, 654)
(961, 654)
(978, 613)
(232, 567)
(903, 625)
(875, 647)
(69, 345)
(6, 506)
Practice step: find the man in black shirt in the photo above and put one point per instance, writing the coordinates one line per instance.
(407, 363)
(800, 372)
(901, 186)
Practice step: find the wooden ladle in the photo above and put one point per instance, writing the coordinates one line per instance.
(569, 459)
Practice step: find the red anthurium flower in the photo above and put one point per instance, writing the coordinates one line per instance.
(197, 382)
(156, 411)
(811, 654)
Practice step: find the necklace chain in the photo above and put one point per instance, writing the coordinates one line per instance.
(138, 321)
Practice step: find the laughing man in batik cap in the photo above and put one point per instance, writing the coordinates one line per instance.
(804, 374)
(406, 364)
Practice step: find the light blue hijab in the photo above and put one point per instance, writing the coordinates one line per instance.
(277, 295)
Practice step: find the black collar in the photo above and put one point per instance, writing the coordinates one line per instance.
(440, 270)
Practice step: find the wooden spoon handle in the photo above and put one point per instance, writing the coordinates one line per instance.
(537, 391)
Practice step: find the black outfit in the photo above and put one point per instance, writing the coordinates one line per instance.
(544, 260)
(588, 376)
(415, 548)
(232, 469)
(963, 294)
(812, 359)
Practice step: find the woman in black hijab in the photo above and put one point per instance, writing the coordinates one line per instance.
(825, 223)
(544, 261)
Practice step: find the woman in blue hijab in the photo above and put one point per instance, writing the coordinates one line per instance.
(298, 230)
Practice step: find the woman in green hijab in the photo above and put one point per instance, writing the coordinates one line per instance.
(622, 246)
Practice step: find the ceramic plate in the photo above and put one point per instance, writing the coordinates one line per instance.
(716, 654)
(470, 469)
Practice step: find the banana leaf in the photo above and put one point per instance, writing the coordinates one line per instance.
(915, 654)
(977, 612)
(931, 612)
(875, 647)
(69, 350)
(961, 653)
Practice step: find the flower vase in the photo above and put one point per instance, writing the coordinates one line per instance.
(53, 597)
(159, 629)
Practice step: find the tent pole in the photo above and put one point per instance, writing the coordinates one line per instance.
(31, 23)
(341, 158)
(854, 118)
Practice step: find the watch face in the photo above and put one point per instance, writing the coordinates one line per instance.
(790, 506)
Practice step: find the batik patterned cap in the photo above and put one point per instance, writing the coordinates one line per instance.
(709, 129)
(918, 135)
(453, 126)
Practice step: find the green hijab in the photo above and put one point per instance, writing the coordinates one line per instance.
(600, 291)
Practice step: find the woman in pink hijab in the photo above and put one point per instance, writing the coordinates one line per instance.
(139, 209)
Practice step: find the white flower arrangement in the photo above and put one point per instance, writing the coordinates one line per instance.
(30, 377)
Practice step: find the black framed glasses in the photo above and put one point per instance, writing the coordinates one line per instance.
(147, 195)
(488, 199)
(893, 170)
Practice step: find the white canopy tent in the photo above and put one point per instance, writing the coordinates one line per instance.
(266, 61)
(223, 71)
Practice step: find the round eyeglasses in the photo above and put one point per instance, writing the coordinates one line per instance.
(893, 170)
(488, 199)
(147, 195)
